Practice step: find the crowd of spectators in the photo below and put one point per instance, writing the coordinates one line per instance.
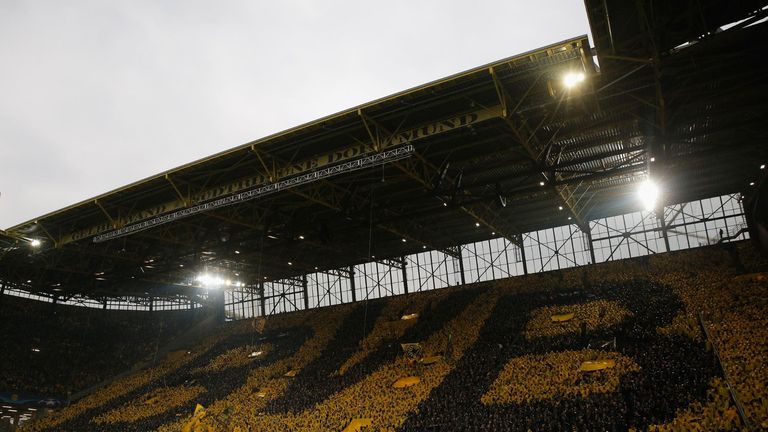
(590, 315)
(236, 357)
(540, 377)
(389, 326)
(734, 308)
(42, 342)
(504, 363)
(151, 403)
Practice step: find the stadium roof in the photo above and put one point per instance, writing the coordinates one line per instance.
(496, 150)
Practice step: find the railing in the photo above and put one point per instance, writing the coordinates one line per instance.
(733, 236)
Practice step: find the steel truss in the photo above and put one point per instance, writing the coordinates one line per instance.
(320, 174)
(688, 225)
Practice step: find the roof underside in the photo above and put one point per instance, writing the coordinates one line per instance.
(495, 131)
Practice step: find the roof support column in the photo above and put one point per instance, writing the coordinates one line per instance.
(304, 289)
(262, 304)
(588, 233)
(522, 255)
(663, 224)
(405, 275)
(461, 265)
(352, 282)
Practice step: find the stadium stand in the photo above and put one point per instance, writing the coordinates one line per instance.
(55, 351)
(506, 369)
(558, 240)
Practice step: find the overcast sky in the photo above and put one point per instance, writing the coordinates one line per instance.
(97, 94)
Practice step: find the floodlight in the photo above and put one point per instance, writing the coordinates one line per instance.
(210, 281)
(648, 192)
(35, 243)
(572, 78)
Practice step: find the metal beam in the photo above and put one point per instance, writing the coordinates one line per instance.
(421, 170)
(352, 282)
(262, 304)
(530, 142)
(404, 263)
(461, 266)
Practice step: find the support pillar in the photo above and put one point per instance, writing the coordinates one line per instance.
(588, 233)
(216, 301)
(522, 255)
(306, 291)
(461, 266)
(405, 275)
(352, 282)
(261, 299)
(663, 223)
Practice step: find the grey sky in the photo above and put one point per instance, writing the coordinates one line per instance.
(98, 94)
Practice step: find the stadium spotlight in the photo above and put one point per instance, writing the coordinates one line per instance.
(477, 224)
(571, 79)
(648, 192)
(301, 237)
(559, 207)
(209, 281)
(751, 183)
(762, 166)
(541, 183)
(653, 159)
(35, 243)
(290, 263)
(423, 246)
